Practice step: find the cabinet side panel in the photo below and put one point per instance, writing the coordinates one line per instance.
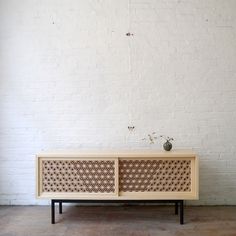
(38, 185)
(196, 177)
(37, 177)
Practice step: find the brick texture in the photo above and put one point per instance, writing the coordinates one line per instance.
(71, 77)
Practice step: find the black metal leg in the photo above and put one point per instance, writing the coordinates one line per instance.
(53, 211)
(176, 208)
(181, 212)
(178, 204)
(60, 207)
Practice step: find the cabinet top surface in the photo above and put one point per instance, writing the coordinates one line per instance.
(118, 153)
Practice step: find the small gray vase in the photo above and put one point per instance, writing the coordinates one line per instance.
(167, 146)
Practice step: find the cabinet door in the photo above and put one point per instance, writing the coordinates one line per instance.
(157, 178)
(77, 177)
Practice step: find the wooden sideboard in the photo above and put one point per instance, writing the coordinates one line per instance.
(117, 175)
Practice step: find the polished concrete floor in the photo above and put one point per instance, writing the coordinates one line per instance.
(117, 220)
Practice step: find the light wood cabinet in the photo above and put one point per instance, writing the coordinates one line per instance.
(118, 175)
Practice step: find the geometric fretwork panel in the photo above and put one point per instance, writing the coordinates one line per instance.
(155, 175)
(92, 176)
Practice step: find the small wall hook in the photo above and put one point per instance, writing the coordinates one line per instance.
(129, 34)
(131, 128)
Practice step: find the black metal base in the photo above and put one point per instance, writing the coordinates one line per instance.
(179, 204)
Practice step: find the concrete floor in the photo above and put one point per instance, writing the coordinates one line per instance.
(117, 220)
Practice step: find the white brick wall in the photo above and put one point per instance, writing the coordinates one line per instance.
(71, 78)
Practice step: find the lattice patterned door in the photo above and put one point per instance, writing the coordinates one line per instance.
(79, 176)
(154, 175)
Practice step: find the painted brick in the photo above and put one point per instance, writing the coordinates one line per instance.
(71, 78)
